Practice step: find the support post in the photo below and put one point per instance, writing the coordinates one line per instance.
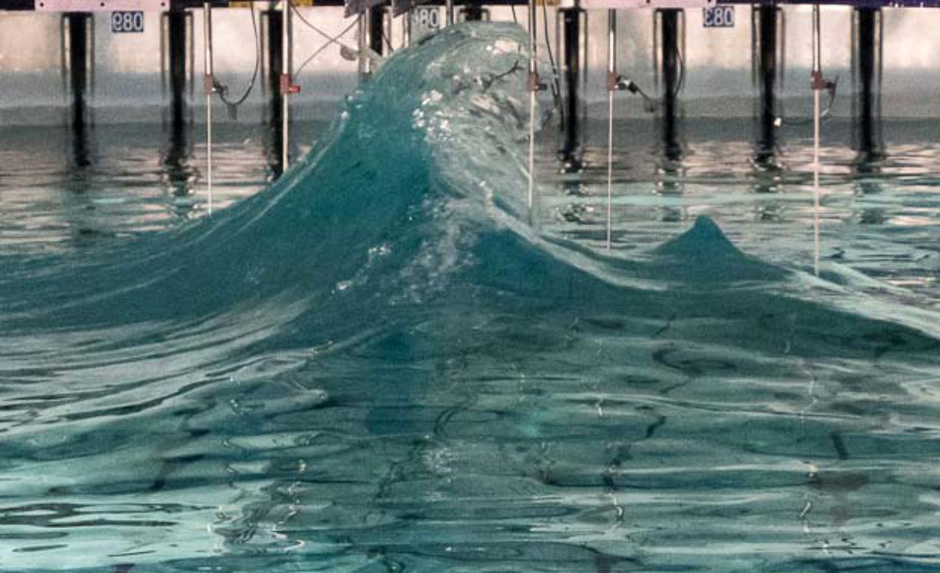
(78, 70)
(176, 46)
(376, 17)
(363, 33)
(868, 81)
(766, 77)
(274, 104)
(406, 28)
(449, 7)
(671, 60)
(473, 11)
(570, 151)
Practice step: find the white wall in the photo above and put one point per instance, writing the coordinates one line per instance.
(718, 80)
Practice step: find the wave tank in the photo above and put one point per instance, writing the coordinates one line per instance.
(382, 362)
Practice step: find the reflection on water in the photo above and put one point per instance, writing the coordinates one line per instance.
(129, 178)
(721, 168)
(179, 174)
(60, 184)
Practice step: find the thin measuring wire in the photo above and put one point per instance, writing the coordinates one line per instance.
(610, 164)
(816, 182)
(209, 147)
(533, 76)
(530, 199)
(286, 70)
(816, 121)
(207, 35)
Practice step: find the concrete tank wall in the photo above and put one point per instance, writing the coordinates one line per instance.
(718, 61)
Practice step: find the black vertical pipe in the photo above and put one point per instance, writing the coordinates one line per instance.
(670, 80)
(571, 26)
(176, 24)
(78, 83)
(275, 101)
(473, 12)
(175, 160)
(767, 76)
(376, 29)
(867, 58)
(78, 68)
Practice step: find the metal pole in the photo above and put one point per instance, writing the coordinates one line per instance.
(670, 74)
(867, 57)
(611, 85)
(571, 150)
(376, 16)
(78, 68)
(450, 12)
(209, 88)
(817, 87)
(406, 30)
(175, 24)
(767, 71)
(533, 87)
(285, 81)
(363, 60)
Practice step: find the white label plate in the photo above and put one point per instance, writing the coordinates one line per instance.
(424, 20)
(718, 17)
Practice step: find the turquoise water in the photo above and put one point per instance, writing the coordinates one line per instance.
(385, 362)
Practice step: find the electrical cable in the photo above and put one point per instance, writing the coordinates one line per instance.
(388, 40)
(222, 89)
(331, 41)
(681, 83)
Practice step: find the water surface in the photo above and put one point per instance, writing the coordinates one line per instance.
(384, 362)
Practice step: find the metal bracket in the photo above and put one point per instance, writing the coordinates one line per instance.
(535, 85)
(288, 87)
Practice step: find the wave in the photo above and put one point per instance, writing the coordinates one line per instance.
(392, 272)
(415, 204)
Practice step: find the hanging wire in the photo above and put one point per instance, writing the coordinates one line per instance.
(331, 39)
(222, 89)
(681, 83)
(330, 42)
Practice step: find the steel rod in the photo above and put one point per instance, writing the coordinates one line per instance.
(817, 86)
(209, 88)
(611, 81)
(533, 87)
(286, 82)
